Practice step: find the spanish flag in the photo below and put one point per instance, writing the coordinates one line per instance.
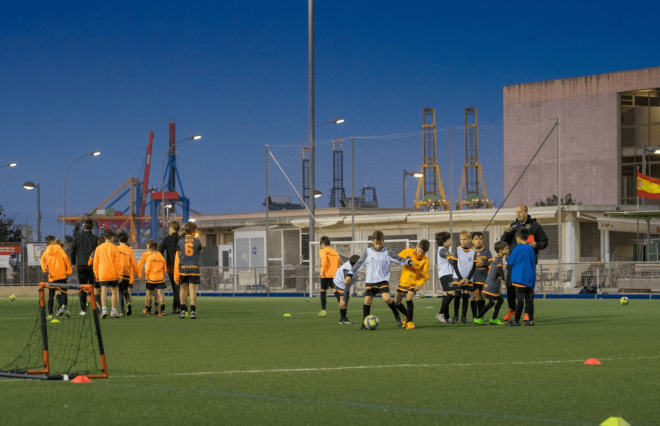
(648, 187)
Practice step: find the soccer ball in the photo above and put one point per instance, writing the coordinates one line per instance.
(371, 322)
(624, 300)
(12, 298)
(359, 294)
(422, 295)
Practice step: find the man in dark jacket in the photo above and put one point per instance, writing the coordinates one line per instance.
(537, 239)
(83, 245)
(169, 245)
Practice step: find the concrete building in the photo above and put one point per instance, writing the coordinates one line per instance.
(607, 120)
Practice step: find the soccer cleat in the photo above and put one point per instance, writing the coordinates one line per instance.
(454, 320)
(363, 327)
(509, 315)
(410, 325)
(177, 311)
(399, 322)
(345, 321)
(114, 315)
(121, 314)
(49, 317)
(156, 312)
(513, 323)
(128, 310)
(496, 322)
(529, 323)
(405, 323)
(479, 321)
(526, 317)
(465, 320)
(162, 314)
(82, 313)
(60, 312)
(68, 314)
(182, 315)
(323, 313)
(193, 315)
(104, 314)
(441, 318)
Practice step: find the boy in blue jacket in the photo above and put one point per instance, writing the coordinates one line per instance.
(523, 276)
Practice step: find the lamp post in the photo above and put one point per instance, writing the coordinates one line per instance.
(413, 174)
(91, 154)
(29, 185)
(9, 165)
(170, 151)
(654, 150)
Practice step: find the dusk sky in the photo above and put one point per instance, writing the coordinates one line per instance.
(86, 76)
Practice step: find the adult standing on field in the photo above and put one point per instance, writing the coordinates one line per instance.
(83, 245)
(169, 245)
(537, 239)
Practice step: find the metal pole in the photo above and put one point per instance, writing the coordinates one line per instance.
(404, 189)
(312, 159)
(451, 185)
(559, 227)
(643, 170)
(267, 219)
(353, 189)
(39, 213)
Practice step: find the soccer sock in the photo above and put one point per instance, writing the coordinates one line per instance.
(365, 311)
(473, 307)
(410, 306)
(59, 301)
(162, 308)
(402, 309)
(480, 305)
(65, 299)
(457, 304)
(395, 311)
(342, 314)
(183, 308)
(121, 301)
(83, 300)
(500, 301)
(465, 305)
(323, 299)
(485, 309)
(97, 297)
(446, 301)
(193, 308)
(148, 309)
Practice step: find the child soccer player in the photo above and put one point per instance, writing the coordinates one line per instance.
(128, 273)
(482, 257)
(140, 267)
(378, 260)
(342, 291)
(83, 245)
(329, 263)
(186, 268)
(90, 262)
(464, 268)
(493, 288)
(154, 274)
(523, 276)
(55, 261)
(446, 274)
(108, 270)
(169, 245)
(411, 280)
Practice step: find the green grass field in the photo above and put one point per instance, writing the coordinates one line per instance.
(242, 362)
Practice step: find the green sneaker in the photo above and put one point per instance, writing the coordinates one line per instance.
(323, 313)
(479, 321)
(49, 317)
(496, 322)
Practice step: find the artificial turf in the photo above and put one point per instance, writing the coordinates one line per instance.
(243, 362)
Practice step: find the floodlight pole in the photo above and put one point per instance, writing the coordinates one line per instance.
(312, 158)
(267, 208)
(559, 227)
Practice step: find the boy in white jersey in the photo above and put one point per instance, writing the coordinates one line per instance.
(464, 269)
(445, 273)
(342, 291)
(378, 261)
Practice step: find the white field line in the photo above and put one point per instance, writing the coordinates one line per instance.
(369, 367)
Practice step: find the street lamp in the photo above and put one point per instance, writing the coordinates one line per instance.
(317, 193)
(91, 154)
(29, 185)
(170, 151)
(335, 121)
(654, 150)
(9, 165)
(413, 174)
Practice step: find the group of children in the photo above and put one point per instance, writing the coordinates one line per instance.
(114, 267)
(471, 274)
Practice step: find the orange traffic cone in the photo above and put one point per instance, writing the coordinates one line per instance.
(81, 379)
(592, 361)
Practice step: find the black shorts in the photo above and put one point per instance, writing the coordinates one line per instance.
(111, 284)
(479, 287)
(374, 289)
(154, 286)
(494, 298)
(97, 284)
(85, 274)
(446, 282)
(189, 279)
(405, 290)
(326, 283)
(62, 281)
(339, 293)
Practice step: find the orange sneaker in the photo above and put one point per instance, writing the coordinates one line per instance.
(410, 325)
(526, 317)
(405, 324)
(509, 315)
(162, 314)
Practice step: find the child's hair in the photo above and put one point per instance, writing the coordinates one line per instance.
(175, 225)
(60, 243)
(424, 245)
(500, 245)
(88, 224)
(149, 242)
(477, 234)
(109, 233)
(190, 228)
(123, 237)
(378, 235)
(50, 239)
(100, 240)
(464, 233)
(153, 246)
(441, 238)
(325, 240)
(354, 259)
(523, 233)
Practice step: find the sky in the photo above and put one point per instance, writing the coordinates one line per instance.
(91, 76)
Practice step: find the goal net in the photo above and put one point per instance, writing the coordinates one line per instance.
(64, 346)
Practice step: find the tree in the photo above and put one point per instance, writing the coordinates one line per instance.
(552, 201)
(9, 231)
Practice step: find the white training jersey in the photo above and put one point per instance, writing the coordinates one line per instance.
(341, 275)
(378, 264)
(464, 262)
(444, 267)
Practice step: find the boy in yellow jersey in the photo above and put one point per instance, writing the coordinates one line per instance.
(186, 268)
(412, 279)
(55, 262)
(329, 263)
(108, 270)
(154, 274)
(128, 273)
(140, 268)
